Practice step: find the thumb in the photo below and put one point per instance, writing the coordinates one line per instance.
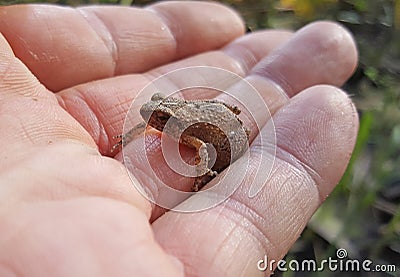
(30, 114)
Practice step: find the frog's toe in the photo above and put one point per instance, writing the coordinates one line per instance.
(213, 173)
(116, 146)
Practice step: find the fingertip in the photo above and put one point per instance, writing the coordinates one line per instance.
(214, 23)
(319, 126)
(320, 53)
(339, 40)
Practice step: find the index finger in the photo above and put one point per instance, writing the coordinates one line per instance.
(64, 47)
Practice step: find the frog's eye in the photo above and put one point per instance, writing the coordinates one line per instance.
(162, 117)
(157, 96)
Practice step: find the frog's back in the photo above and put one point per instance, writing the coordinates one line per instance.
(214, 123)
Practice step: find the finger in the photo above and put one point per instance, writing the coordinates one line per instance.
(65, 47)
(311, 157)
(319, 53)
(102, 106)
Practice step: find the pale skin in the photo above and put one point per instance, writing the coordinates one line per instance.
(69, 209)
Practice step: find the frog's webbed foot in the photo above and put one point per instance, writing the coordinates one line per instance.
(129, 136)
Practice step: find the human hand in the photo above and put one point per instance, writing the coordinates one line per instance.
(69, 208)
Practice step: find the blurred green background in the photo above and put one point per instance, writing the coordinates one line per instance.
(363, 213)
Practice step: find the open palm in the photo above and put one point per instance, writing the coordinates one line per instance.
(67, 78)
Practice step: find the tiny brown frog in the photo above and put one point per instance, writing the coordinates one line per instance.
(200, 124)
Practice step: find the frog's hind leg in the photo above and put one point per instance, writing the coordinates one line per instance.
(202, 157)
(202, 160)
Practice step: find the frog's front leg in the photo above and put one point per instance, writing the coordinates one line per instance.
(205, 174)
(129, 136)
